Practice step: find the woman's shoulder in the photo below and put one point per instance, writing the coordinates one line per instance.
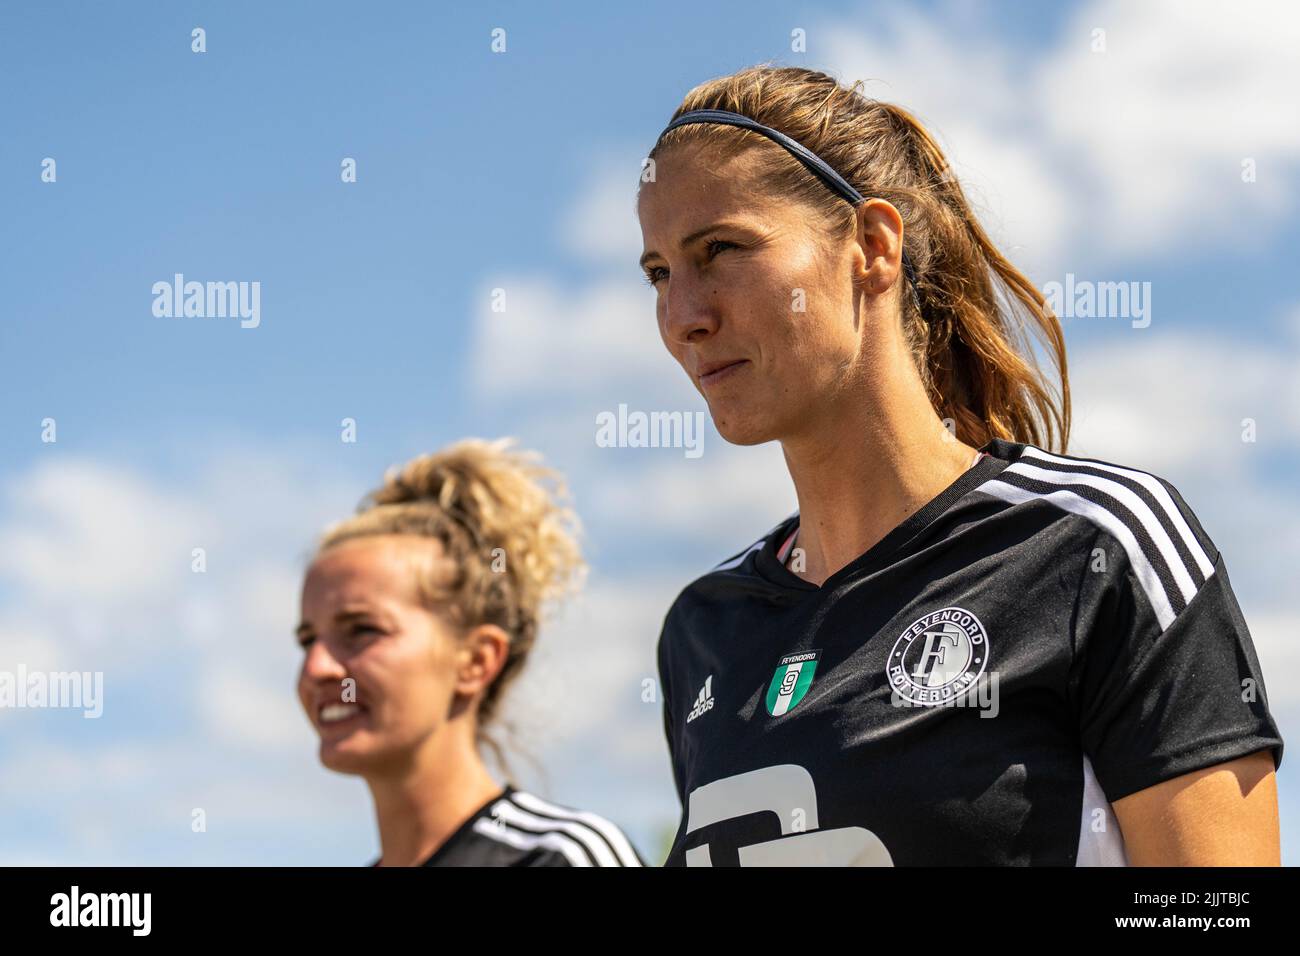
(546, 833)
(1119, 517)
(519, 828)
(1137, 507)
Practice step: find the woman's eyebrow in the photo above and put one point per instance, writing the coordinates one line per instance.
(373, 615)
(697, 234)
(342, 617)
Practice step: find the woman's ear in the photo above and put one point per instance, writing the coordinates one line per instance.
(880, 238)
(482, 655)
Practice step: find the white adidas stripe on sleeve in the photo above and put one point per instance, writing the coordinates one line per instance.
(1151, 530)
(616, 840)
(1069, 501)
(1158, 491)
(591, 841)
(1125, 496)
(531, 841)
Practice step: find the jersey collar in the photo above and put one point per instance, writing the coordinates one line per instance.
(999, 454)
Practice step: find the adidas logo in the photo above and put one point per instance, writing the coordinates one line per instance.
(703, 703)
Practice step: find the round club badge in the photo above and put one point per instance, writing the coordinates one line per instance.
(938, 657)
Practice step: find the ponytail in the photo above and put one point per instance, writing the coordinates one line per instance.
(970, 338)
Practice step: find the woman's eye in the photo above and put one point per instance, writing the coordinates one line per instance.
(652, 275)
(306, 642)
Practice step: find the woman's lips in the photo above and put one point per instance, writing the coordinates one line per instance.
(722, 374)
(335, 717)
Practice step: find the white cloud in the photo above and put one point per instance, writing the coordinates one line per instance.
(142, 796)
(1174, 402)
(27, 639)
(1131, 151)
(601, 226)
(1162, 120)
(93, 530)
(727, 497)
(589, 664)
(243, 708)
(1274, 635)
(99, 557)
(567, 341)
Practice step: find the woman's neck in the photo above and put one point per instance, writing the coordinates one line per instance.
(864, 470)
(421, 806)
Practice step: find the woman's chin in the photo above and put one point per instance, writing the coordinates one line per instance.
(346, 756)
(737, 430)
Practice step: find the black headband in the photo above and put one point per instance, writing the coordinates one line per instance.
(814, 163)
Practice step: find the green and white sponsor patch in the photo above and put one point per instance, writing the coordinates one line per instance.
(791, 681)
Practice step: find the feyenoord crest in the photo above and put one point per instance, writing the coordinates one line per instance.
(938, 657)
(790, 682)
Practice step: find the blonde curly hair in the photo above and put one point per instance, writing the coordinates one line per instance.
(503, 521)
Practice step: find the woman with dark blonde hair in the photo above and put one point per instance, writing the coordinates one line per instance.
(966, 646)
(418, 612)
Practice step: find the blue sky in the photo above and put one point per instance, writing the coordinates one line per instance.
(517, 170)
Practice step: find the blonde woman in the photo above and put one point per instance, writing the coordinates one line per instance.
(966, 646)
(418, 613)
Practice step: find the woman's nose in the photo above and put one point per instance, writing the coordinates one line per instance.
(689, 307)
(320, 663)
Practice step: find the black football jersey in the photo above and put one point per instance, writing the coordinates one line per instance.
(516, 828)
(1049, 634)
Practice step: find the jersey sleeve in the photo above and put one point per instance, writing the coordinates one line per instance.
(1164, 678)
